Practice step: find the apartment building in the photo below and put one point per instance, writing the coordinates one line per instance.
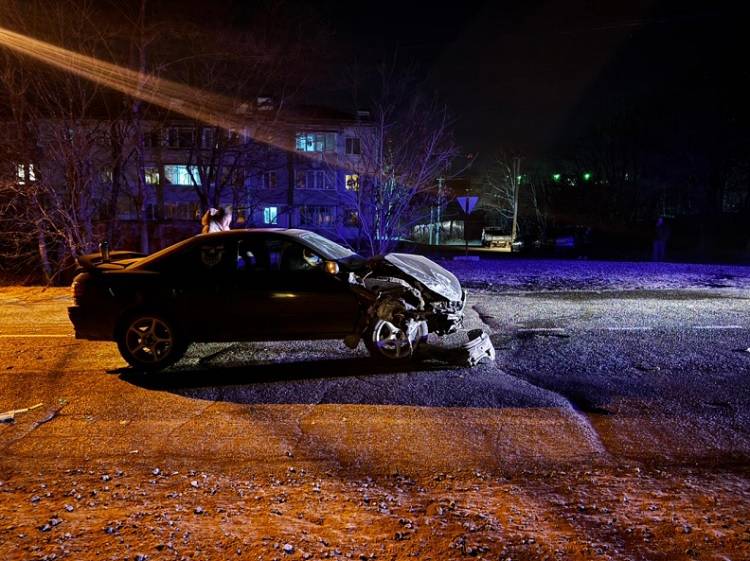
(295, 170)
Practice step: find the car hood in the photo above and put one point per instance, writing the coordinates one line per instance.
(430, 274)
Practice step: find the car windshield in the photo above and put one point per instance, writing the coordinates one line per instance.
(325, 247)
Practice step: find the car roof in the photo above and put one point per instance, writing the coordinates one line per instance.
(231, 234)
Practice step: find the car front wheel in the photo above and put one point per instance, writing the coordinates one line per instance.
(150, 342)
(386, 340)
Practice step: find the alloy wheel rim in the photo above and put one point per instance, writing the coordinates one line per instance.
(391, 341)
(149, 339)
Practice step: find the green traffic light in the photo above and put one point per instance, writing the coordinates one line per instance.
(587, 176)
(556, 177)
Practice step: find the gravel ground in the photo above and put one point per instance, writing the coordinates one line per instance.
(625, 513)
(532, 274)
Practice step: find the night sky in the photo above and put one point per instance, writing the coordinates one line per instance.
(536, 75)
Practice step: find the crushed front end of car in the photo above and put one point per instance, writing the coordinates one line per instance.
(406, 298)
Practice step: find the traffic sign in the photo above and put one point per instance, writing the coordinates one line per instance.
(467, 204)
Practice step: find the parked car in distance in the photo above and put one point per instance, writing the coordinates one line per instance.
(496, 238)
(565, 240)
(255, 285)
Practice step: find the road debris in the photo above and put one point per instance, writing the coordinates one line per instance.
(9, 416)
(475, 347)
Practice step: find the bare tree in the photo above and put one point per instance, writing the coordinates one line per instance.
(53, 161)
(406, 144)
(516, 190)
(500, 187)
(260, 71)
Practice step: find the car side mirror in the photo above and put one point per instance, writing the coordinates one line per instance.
(331, 267)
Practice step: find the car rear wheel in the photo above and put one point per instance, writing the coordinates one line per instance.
(386, 340)
(150, 342)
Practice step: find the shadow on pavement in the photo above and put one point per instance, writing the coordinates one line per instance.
(197, 376)
(342, 381)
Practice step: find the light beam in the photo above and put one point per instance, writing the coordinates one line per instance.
(207, 107)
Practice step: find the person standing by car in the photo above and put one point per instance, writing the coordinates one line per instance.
(661, 236)
(216, 220)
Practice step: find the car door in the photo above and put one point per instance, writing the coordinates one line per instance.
(195, 283)
(278, 294)
(311, 303)
(252, 296)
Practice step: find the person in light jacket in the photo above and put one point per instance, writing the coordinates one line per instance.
(216, 220)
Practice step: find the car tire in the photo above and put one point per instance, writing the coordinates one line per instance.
(149, 341)
(384, 340)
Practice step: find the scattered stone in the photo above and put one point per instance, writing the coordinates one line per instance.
(198, 510)
(55, 521)
(194, 484)
(106, 477)
(45, 528)
(141, 557)
(156, 471)
(288, 548)
(35, 499)
(69, 508)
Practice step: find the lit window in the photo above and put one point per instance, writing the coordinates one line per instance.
(316, 141)
(352, 146)
(352, 182)
(271, 215)
(351, 218)
(25, 173)
(182, 175)
(152, 175)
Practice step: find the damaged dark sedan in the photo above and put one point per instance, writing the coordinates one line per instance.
(255, 285)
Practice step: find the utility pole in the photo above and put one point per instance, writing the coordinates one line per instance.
(516, 184)
(441, 183)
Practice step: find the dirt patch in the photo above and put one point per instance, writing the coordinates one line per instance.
(163, 513)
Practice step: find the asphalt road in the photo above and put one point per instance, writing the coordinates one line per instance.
(580, 378)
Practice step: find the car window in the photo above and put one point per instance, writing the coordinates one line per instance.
(251, 257)
(324, 246)
(208, 257)
(290, 257)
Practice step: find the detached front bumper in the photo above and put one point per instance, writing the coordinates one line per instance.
(91, 324)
